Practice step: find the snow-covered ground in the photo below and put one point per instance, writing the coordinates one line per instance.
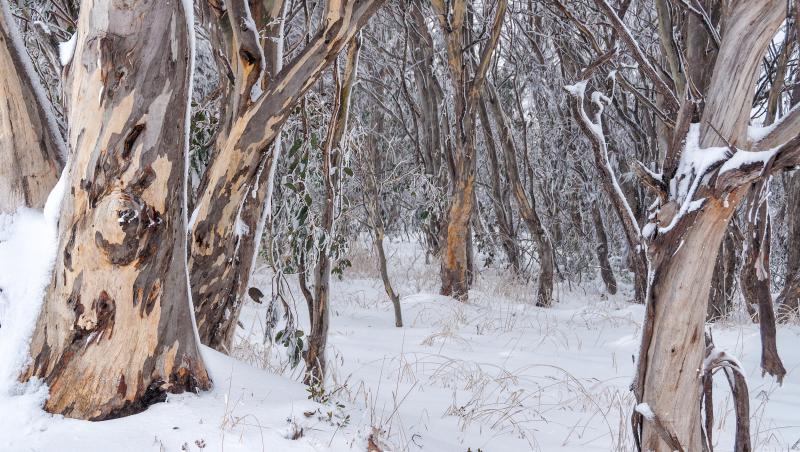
(497, 374)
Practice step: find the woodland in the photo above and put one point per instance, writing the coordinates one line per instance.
(377, 225)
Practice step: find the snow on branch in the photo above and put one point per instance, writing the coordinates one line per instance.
(776, 134)
(594, 130)
(717, 359)
(745, 166)
(695, 164)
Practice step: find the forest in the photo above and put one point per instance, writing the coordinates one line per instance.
(399, 225)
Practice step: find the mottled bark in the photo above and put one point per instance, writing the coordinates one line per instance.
(668, 370)
(254, 59)
(115, 334)
(467, 82)
(32, 151)
(234, 200)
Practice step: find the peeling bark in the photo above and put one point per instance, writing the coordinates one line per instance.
(32, 151)
(115, 334)
(234, 196)
(683, 259)
(467, 82)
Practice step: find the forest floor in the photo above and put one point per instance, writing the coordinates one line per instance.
(495, 374)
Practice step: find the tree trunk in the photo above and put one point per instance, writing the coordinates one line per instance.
(683, 266)
(115, 334)
(455, 262)
(606, 272)
(432, 148)
(332, 158)
(467, 82)
(683, 257)
(32, 151)
(500, 202)
(526, 204)
(223, 240)
(756, 277)
(256, 59)
(374, 169)
(387, 283)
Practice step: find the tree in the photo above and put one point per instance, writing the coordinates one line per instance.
(707, 171)
(332, 170)
(467, 80)
(116, 333)
(32, 151)
(525, 202)
(233, 200)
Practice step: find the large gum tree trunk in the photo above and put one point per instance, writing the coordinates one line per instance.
(455, 263)
(683, 258)
(115, 334)
(31, 148)
(679, 293)
(254, 60)
(224, 238)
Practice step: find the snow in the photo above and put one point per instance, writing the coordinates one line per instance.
(250, 26)
(188, 10)
(578, 90)
(757, 132)
(256, 91)
(495, 374)
(742, 158)
(645, 410)
(648, 229)
(693, 170)
(66, 49)
(27, 251)
(193, 218)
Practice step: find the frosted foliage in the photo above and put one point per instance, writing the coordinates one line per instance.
(206, 77)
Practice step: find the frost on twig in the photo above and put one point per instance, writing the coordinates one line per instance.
(594, 129)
